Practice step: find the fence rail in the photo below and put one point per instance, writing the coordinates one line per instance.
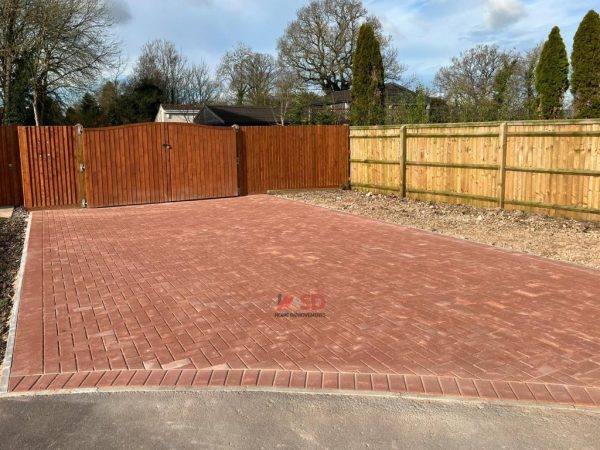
(547, 167)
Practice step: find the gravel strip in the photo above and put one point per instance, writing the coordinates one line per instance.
(561, 239)
(12, 233)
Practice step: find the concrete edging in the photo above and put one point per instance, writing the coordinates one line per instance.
(12, 331)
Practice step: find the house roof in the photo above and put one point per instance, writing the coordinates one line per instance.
(180, 108)
(236, 115)
(392, 90)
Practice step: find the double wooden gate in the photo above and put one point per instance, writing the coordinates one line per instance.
(160, 162)
(127, 165)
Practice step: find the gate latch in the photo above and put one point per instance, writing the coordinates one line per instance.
(167, 146)
(81, 167)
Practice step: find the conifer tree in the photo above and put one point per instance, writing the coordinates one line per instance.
(552, 76)
(367, 80)
(585, 59)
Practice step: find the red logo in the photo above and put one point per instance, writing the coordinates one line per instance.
(305, 305)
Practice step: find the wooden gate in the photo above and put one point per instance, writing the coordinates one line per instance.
(158, 162)
(48, 166)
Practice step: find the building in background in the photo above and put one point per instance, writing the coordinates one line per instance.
(236, 115)
(177, 113)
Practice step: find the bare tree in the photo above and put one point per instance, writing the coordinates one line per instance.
(319, 44)
(161, 62)
(55, 47)
(287, 89)
(198, 86)
(261, 72)
(468, 83)
(248, 76)
(72, 44)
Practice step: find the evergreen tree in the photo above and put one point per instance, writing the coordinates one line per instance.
(367, 80)
(552, 76)
(586, 67)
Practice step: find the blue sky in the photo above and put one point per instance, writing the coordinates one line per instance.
(427, 33)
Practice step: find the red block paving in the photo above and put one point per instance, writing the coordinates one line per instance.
(185, 295)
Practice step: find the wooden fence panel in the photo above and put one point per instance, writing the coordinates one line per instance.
(49, 166)
(546, 167)
(126, 165)
(11, 190)
(202, 162)
(293, 157)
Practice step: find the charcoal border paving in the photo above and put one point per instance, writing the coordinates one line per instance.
(184, 295)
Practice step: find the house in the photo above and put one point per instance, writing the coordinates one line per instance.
(221, 115)
(395, 96)
(177, 113)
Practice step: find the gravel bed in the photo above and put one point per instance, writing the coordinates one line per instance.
(561, 239)
(12, 234)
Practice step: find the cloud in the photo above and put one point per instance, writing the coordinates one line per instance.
(500, 13)
(120, 11)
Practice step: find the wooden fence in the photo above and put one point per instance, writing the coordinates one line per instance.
(546, 167)
(293, 157)
(159, 162)
(48, 166)
(10, 167)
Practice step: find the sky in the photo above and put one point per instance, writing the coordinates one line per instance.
(427, 33)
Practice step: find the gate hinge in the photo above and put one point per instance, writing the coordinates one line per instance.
(81, 167)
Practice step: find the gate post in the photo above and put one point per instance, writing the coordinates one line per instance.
(81, 188)
(240, 162)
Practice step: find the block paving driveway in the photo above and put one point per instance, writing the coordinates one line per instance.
(185, 294)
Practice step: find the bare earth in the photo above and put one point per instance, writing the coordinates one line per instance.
(561, 239)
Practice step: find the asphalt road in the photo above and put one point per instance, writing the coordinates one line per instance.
(250, 419)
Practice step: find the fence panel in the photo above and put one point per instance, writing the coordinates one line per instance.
(202, 162)
(293, 157)
(49, 166)
(126, 165)
(546, 167)
(11, 191)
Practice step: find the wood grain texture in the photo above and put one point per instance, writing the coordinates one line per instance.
(477, 163)
(293, 157)
(48, 166)
(11, 189)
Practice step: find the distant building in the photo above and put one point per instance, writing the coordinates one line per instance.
(177, 113)
(397, 98)
(236, 115)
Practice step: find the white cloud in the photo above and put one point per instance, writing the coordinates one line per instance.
(500, 13)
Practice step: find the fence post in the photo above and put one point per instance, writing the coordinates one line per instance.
(502, 165)
(81, 169)
(403, 160)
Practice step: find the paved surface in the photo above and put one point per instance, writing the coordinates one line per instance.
(215, 420)
(185, 294)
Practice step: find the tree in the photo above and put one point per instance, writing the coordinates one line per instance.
(161, 62)
(60, 45)
(526, 75)
(320, 43)
(287, 94)
(367, 80)
(469, 83)
(85, 112)
(585, 81)
(505, 89)
(552, 76)
(248, 76)
(198, 86)
(139, 103)
(71, 45)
